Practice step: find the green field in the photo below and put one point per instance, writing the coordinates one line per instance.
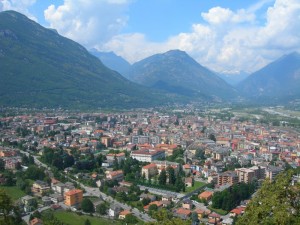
(197, 185)
(74, 219)
(14, 192)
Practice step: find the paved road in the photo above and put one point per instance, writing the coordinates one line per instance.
(96, 192)
(26, 218)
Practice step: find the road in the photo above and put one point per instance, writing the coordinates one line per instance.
(96, 192)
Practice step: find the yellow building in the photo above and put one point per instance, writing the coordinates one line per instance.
(73, 197)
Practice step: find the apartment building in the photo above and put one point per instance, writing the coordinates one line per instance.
(73, 198)
(228, 177)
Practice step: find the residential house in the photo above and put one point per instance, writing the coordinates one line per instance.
(36, 221)
(123, 214)
(56, 198)
(183, 213)
(149, 170)
(39, 188)
(237, 211)
(114, 211)
(201, 213)
(206, 195)
(119, 157)
(187, 204)
(28, 202)
(115, 175)
(188, 181)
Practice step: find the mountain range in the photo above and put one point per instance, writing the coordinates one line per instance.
(279, 80)
(40, 68)
(176, 72)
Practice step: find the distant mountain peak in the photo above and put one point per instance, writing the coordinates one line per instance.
(112, 61)
(177, 72)
(279, 79)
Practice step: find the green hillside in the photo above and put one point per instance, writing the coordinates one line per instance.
(40, 68)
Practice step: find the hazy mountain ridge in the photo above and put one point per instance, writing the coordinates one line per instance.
(112, 61)
(279, 79)
(175, 71)
(38, 68)
(233, 78)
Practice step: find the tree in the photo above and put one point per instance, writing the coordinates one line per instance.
(146, 201)
(162, 177)
(87, 205)
(275, 203)
(179, 184)
(212, 137)
(2, 165)
(152, 209)
(140, 131)
(101, 208)
(130, 219)
(68, 161)
(35, 173)
(195, 219)
(171, 174)
(9, 214)
(116, 163)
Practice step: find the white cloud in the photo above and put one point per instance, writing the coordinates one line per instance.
(228, 40)
(87, 21)
(18, 5)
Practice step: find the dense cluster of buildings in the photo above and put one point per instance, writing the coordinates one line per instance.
(223, 152)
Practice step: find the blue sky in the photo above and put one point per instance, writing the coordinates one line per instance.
(226, 36)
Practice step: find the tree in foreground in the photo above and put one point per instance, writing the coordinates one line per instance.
(9, 214)
(276, 202)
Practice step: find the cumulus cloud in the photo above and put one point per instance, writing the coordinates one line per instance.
(227, 40)
(18, 5)
(87, 21)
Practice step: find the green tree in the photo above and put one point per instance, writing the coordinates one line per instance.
(140, 131)
(212, 137)
(102, 208)
(87, 205)
(87, 222)
(9, 214)
(130, 219)
(146, 201)
(275, 203)
(195, 219)
(2, 165)
(171, 174)
(162, 178)
(152, 209)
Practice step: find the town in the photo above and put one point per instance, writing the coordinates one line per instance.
(199, 165)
